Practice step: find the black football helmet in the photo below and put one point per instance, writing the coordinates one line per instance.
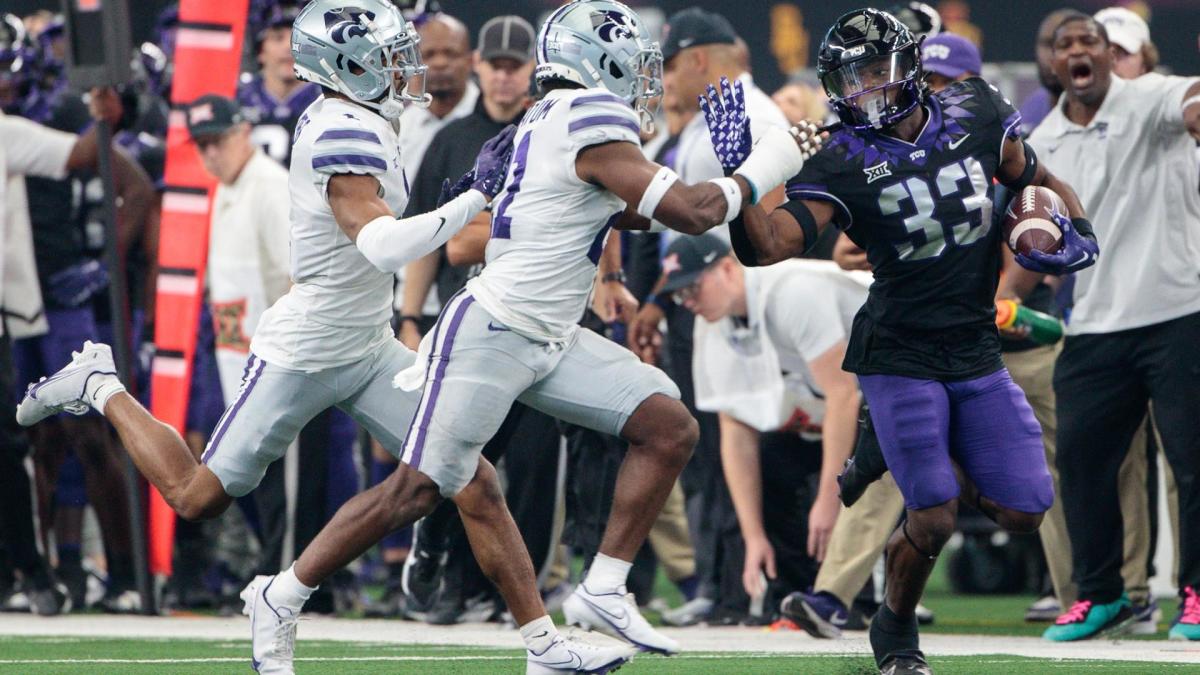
(923, 20)
(870, 67)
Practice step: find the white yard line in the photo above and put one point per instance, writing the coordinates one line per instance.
(735, 640)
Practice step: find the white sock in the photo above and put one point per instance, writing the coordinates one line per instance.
(103, 387)
(607, 574)
(538, 634)
(287, 590)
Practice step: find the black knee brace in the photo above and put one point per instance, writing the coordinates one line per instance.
(918, 549)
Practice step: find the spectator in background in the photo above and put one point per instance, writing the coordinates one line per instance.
(1035, 108)
(273, 98)
(949, 58)
(771, 367)
(1134, 54)
(29, 149)
(446, 51)
(1136, 316)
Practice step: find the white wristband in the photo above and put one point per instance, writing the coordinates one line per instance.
(733, 196)
(775, 158)
(655, 191)
(1190, 102)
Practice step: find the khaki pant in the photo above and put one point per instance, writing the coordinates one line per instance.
(1033, 371)
(858, 539)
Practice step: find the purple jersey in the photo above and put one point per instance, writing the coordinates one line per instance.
(274, 120)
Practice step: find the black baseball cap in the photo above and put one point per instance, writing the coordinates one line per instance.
(693, 27)
(506, 37)
(688, 256)
(210, 115)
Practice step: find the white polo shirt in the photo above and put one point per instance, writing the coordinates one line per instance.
(1134, 168)
(248, 259)
(26, 149)
(696, 160)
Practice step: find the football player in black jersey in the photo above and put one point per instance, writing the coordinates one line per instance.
(909, 177)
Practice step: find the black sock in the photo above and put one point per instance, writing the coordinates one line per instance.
(892, 635)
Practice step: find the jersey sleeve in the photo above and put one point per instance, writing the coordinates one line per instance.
(812, 324)
(816, 182)
(1007, 117)
(600, 117)
(31, 149)
(345, 147)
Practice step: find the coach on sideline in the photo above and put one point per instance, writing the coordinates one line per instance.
(30, 149)
(1127, 147)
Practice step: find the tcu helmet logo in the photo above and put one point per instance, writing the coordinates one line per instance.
(344, 24)
(612, 25)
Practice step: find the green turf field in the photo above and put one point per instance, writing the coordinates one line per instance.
(186, 657)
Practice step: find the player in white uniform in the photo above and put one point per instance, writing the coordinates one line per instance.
(511, 334)
(328, 342)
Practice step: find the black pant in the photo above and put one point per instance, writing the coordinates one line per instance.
(16, 503)
(1103, 383)
(791, 473)
(709, 507)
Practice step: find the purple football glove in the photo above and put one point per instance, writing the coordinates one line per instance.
(491, 166)
(75, 285)
(1078, 252)
(452, 190)
(728, 124)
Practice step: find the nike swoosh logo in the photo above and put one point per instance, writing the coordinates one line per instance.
(573, 663)
(622, 620)
(954, 145)
(497, 329)
(541, 634)
(440, 226)
(838, 618)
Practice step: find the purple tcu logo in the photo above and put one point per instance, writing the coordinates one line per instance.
(611, 25)
(344, 24)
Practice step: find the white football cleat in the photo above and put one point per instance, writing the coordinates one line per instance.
(616, 614)
(71, 388)
(272, 629)
(575, 654)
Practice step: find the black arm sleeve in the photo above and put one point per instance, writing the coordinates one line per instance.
(742, 248)
(808, 223)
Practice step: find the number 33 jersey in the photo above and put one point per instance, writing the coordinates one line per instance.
(548, 226)
(923, 213)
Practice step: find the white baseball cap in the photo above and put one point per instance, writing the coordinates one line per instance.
(1125, 29)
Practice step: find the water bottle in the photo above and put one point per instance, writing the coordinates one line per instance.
(1043, 328)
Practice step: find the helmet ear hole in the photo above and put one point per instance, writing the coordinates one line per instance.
(615, 70)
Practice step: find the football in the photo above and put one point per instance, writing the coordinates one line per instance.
(1028, 224)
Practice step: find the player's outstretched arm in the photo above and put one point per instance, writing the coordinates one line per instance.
(761, 238)
(390, 243)
(655, 191)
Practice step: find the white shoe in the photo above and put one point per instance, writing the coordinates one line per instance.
(617, 615)
(272, 630)
(71, 388)
(575, 654)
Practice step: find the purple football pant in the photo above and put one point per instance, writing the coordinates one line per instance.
(984, 424)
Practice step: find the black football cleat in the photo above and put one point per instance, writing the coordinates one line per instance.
(905, 664)
(866, 465)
